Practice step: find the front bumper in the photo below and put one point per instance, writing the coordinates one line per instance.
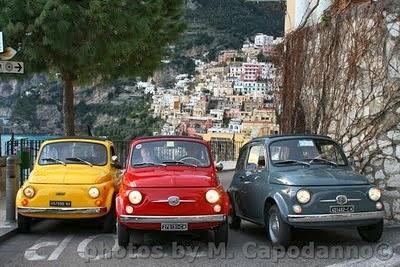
(342, 217)
(98, 210)
(173, 219)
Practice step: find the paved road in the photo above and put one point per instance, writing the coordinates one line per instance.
(60, 243)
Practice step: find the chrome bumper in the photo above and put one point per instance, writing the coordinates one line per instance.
(172, 219)
(359, 216)
(63, 210)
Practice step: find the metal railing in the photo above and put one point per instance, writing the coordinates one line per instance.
(27, 150)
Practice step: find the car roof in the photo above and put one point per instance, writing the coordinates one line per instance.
(288, 136)
(87, 138)
(169, 137)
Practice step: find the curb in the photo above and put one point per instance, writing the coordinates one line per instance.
(13, 231)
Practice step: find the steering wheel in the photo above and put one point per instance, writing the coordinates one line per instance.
(191, 158)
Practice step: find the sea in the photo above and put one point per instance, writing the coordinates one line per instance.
(7, 137)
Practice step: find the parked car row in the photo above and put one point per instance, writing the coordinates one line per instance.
(170, 183)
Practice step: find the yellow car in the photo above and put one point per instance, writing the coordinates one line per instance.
(73, 178)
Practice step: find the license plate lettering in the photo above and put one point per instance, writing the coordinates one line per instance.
(174, 227)
(342, 209)
(57, 203)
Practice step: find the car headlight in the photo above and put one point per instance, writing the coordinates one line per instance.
(212, 196)
(94, 192)
(29, 192)
(374, 194)
(303, 196)
(135, 197)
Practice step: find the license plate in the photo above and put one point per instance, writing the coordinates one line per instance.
(342, 209)
(174, 227)
(57, 203)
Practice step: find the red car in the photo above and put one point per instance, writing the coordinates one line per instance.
(170, 184)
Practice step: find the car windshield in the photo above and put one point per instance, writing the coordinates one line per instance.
(306, 152)
(171, 152)
(86, 153)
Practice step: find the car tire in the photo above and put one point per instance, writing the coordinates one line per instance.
(221, 234)
(109, 221)
(371, 233)
(233, 220)
(123, 235)
(278, 231)
(24, 223)
(137, 237)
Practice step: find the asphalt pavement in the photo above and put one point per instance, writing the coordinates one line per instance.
(81, 243)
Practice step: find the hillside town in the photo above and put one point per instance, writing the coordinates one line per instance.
(233, 98)
(200, 132)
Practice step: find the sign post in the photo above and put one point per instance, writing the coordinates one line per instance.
(1, 43)
(11, 67)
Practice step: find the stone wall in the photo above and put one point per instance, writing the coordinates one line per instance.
(342, 78)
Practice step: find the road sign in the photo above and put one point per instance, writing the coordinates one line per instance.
(11, 67)
(1, 43)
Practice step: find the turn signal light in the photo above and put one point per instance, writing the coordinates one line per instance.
(24, 202)
(98, 202)
(129, 209)
(217, 208)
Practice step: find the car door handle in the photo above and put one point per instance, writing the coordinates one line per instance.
(242, 177)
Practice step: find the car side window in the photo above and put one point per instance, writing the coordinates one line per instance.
(242, 159)
(256, 159)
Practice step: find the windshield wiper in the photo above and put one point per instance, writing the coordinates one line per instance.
(324, 160)
(180, 162)
(149, 163)
(54, 160)
(290, 161)
(80, 160)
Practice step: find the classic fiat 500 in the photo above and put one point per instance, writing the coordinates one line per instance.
(73, 178)
(170, 184)
(286, 182)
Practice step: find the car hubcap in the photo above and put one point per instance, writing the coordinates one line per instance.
(273, 227)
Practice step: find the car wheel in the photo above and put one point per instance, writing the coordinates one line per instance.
(123, 235)
(233, 220)
(221, 234)
(137, 237)
(24, 223)
(278, 230)
(109, 222)
(372, 232)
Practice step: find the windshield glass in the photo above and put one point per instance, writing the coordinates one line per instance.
(170, 153)
(73, 153)
(306, 152)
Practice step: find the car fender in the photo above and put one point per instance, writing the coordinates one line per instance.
(282, 206)
(110, 198)
(119, 205)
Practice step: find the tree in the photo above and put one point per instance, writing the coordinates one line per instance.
(90, 40)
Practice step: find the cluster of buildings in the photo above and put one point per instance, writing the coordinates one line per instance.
(233, 98)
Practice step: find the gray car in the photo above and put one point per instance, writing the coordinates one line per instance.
(292, 181)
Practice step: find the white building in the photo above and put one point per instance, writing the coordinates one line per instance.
(261, 40)
(247, 88)
(217, 114)
(235, 125)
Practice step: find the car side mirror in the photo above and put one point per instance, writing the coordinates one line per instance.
(220, 166)
(115, 163)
